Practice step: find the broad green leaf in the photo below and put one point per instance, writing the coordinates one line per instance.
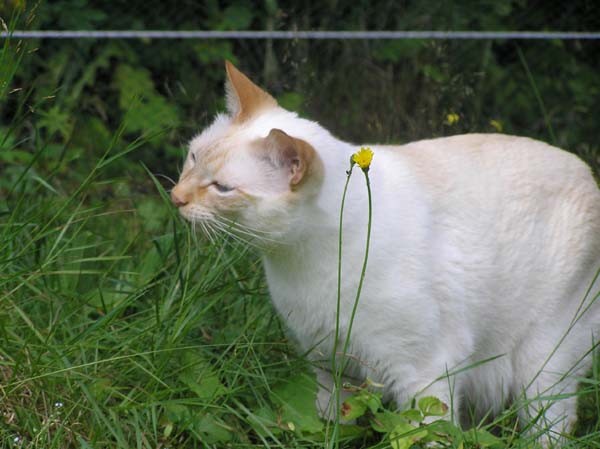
(199, 376)
(296, 399)
(482, 438)
(186, 417)
(212, 430)
(358, 404)
(177, 413)
(387, 421)
(445, 428)
(264, 422)
(412, 415)
(432, 406)
(405, 435)
(353, 407)
(373, 401)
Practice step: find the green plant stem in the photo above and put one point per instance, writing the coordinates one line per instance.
(538, 97)
(338, 371)
(336, 387)
(362, 273)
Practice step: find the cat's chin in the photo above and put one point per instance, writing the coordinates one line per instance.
(186, 214)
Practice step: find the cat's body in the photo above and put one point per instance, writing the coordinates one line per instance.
(483, 247)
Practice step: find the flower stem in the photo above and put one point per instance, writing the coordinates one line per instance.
(339, 370)
(334, 369)
(362, 273)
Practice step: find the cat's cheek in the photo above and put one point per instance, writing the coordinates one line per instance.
(209, 204)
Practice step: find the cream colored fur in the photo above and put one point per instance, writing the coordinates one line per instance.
(483, 247)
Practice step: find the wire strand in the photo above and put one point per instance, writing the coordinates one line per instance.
(316, 35)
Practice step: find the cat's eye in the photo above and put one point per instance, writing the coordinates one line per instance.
(193, 156)
(222, 188)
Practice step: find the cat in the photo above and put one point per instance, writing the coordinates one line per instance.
(483, 249)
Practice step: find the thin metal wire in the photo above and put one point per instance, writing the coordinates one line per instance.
(364, 35)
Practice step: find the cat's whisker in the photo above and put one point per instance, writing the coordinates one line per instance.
(168, 178)
(196, 234)
(250, 228)
(235, 231)
(202, 220)
(209, 232)
(227, 229)
(246, 230)
(193, 228)
(247, 237)
(202, 228)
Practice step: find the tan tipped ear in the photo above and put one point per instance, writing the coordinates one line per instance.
(244, 98)
(291, 154)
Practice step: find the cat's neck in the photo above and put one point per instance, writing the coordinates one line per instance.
(314, 230)
(316, 219)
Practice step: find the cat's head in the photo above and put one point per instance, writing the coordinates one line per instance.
(248, 173)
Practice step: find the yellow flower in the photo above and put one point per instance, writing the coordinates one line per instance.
(452, 118)
(497, 125)
(363, 157)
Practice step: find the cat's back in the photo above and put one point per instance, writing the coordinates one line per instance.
(472, 154)
(490, 167)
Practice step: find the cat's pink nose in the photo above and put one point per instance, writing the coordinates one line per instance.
(178, 200)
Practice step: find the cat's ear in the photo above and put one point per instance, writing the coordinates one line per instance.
(244, 98)
(295, 156)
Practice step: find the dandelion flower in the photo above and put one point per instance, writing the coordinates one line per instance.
(497, 125)
(452, 118)
(363, 158)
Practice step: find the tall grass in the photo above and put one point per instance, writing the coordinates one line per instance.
(118, 328)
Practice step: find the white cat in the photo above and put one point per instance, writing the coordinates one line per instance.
(483, 246)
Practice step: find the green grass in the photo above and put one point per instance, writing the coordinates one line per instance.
(119, 329)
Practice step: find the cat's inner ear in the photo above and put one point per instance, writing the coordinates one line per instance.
(287, 153)
(244, 98)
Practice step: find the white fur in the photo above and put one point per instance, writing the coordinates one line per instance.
(482, 246)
